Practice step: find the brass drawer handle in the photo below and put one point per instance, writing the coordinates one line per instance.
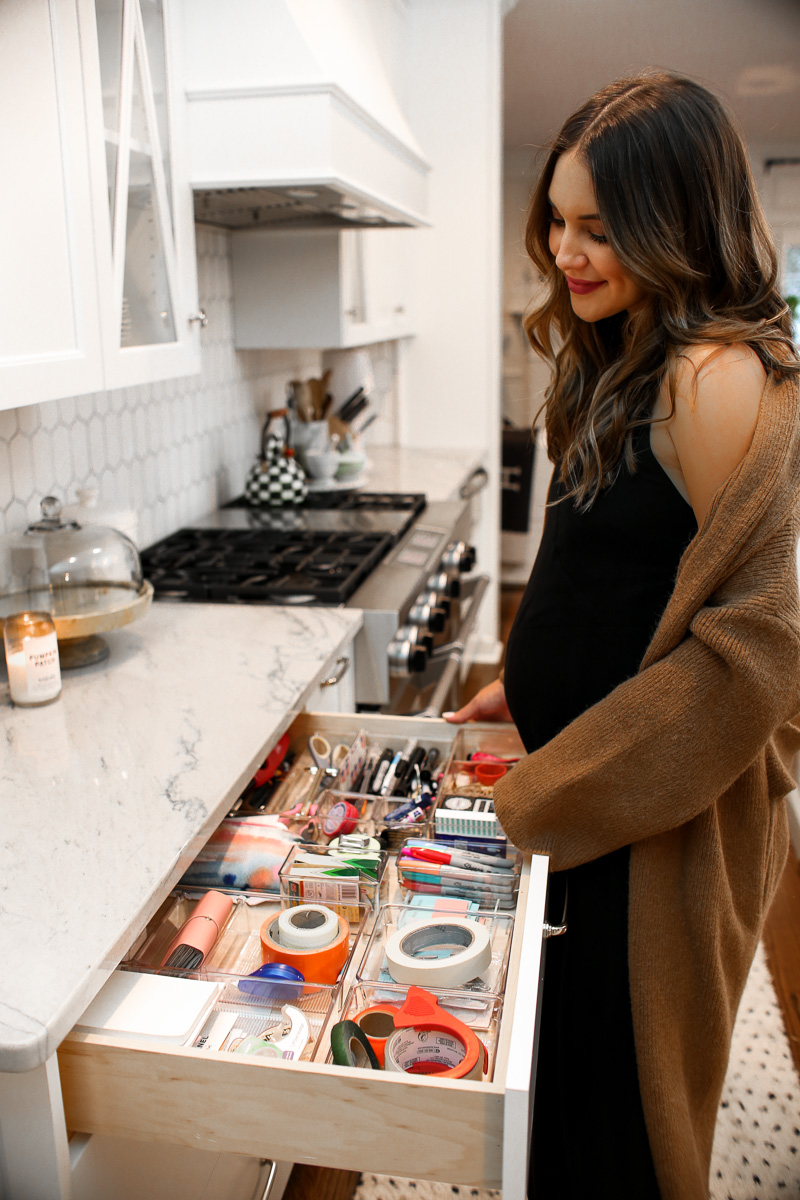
(339, 671)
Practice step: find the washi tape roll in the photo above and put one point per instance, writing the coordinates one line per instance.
(463, 950)
(307, 927)
(316, 966)
(350, 1047)
(341, 819)
(377, 1023)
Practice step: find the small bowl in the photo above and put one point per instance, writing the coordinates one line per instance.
(351, 463)
(322, 464)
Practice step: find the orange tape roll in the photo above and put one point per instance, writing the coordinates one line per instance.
(377, 1023)
(456, 1054)
(317, 966)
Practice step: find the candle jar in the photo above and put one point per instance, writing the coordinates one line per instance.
(34, 670)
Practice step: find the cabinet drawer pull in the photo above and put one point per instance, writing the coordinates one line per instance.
(260, 1194)
(549, 931)
(200, 316)
(339, 671)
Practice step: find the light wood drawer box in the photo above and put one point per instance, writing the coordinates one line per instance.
(454, 1131)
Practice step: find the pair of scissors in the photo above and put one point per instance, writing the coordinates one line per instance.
(326, 762)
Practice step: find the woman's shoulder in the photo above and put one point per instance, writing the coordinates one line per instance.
(717, 394)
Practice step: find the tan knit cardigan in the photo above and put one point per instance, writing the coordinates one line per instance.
(687, 763)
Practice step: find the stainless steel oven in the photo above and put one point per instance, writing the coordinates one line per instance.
(407, 564)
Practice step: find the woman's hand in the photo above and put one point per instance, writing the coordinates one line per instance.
(489, 704)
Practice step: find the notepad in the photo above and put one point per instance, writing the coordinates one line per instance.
(145, 1007)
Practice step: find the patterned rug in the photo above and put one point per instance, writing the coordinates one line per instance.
(757, 1143)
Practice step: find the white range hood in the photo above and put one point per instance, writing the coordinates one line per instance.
(292, 119)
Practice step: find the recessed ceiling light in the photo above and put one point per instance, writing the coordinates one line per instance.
(767, 81)
(301, 193)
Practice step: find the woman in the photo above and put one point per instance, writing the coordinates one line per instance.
(653, 668)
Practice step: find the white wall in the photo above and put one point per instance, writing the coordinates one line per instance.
(451, 371)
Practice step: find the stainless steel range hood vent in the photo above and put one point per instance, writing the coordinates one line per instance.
(290, 97)
(319, 207)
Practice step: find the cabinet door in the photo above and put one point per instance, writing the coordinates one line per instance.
(49, 328)
(387, 282)
(143, 204)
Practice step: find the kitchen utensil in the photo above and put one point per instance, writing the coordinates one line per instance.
(276, 479)
(303, 400)
(344, 411)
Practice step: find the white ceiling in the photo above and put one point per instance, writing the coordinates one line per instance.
(559, 52)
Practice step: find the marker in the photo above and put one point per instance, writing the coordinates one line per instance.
(460, 858)
(380, 772)
(487, 898)
(398, 767)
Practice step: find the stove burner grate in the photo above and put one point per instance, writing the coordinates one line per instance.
(262, 566)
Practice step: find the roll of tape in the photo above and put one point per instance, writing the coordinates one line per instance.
(465, 947)
(316, 966)
(430, 1052)
(430, 1041)
(273, 981)
(377, 1023)
(341, 819)
(307, 927)
(350, 1047)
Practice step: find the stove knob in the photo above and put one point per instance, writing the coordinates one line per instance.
(417, 635)
(446, 583)
(459, 555)
(427, 615)
(436, 600)
(405, 658)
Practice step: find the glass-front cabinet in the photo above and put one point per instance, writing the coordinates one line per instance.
(147, 267)
(96, 219)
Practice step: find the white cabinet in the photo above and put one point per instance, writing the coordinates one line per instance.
(336, 692)
(320, 288)
(96, 212)
(49, 315)
(147, 275)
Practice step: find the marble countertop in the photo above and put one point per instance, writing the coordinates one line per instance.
(439, 475)
(107, 794)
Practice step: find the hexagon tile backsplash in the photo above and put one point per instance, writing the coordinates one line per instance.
(168, 451)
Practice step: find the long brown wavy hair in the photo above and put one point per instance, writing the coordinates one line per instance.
(680, 210)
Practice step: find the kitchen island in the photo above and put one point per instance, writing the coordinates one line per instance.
(107, 795)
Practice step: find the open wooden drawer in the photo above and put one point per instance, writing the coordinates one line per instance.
(454, 1131)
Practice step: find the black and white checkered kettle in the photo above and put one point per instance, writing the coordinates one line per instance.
(276, 479)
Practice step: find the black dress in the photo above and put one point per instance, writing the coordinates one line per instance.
(597, 590)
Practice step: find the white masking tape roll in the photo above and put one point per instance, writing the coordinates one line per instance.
(445, 953)
(424, 1052)
(308, 927)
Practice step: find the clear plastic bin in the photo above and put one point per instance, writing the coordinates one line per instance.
(482, 1013)
(238, 949)
(346, 895)
(374, 967)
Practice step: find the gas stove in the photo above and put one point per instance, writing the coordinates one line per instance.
(389, 554)
(317, 553)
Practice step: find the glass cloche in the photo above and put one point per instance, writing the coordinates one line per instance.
(89, 577)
